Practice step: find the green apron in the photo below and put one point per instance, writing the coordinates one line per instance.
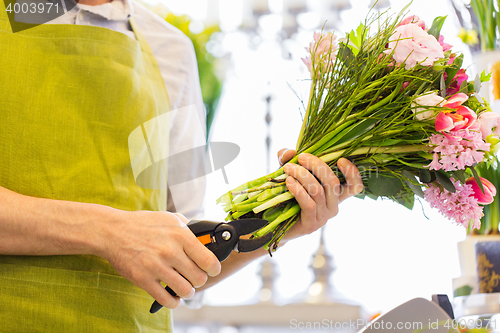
(70, 96)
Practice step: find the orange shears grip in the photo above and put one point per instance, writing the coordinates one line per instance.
(205, 239)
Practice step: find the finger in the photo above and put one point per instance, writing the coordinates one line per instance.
(328, 179)
(285, 155)
(182, 287)
(307, 204)
(191, 272)
(202, 256)
(308, 181)
(156, 290)
(354, 183)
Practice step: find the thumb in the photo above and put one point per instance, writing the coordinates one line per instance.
(285, 155)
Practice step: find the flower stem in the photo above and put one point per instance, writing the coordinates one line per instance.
(306, 116)
(284, 216)
(372, 150)
(273, 202)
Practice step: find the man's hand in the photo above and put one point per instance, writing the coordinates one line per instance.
(318, 200)
(152, 247)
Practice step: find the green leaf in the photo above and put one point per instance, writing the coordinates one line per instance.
(445, 181)
(417, 189)
(345, 53)
(402, 11)
(436, 26)
(361, 127)
(485, 78)
(407, 200)
(388, 142)
(383, 185)
(460, 175)
(462, 291)
(425, 176)
(476, 177)
(356, 38)
(454, 68)
(442, 86)
(477, 83)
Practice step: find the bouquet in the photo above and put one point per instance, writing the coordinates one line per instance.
(392, 98)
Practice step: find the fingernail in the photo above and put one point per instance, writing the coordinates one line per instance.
(291, 180)
(281, 156)
(302, 156)
(342, 163)
(191, 294)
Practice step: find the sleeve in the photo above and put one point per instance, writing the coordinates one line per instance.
(177, 62)
(187, 132)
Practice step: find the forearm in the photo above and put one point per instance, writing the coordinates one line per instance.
(234, 263)
(36, 226)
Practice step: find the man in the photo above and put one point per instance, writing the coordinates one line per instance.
(80, 242)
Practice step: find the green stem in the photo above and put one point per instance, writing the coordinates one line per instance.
(306, 116)
(372, 150)
(284, 216)
(273, 202)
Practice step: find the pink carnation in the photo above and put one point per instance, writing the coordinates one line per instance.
(460, 206)
(412, 45)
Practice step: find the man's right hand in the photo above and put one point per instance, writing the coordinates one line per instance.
(145, 247)
(152, 247)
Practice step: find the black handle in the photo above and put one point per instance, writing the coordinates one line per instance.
(222, 249)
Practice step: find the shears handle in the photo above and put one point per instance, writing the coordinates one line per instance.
(210, 234)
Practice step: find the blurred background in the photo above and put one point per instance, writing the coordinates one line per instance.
(376, 255)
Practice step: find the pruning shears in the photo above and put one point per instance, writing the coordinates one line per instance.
(222, 238)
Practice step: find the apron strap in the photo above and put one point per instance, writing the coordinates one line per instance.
(139, 36)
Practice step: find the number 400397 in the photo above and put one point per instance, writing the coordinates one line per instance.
(33, 8)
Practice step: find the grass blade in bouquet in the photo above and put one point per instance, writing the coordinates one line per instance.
(396, 103)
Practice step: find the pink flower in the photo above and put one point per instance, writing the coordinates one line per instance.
(413, 19)
(461, 206)
(323, 51)
(434, 165)
(458, 150)
(412, 45)
(323, 43)
(489, 123)
(461, 118)
(453, 120)
(489, 190)
(456, 100)
(457, 81)
(308, 62)
(445, 46)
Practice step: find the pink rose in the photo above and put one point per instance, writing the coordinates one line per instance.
(432, 99)
(489, 123)
(413, 19)
(489, 190)
(412, 45)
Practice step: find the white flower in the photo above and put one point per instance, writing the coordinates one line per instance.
(432, 99)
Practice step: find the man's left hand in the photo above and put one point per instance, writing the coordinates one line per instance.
(317, 189)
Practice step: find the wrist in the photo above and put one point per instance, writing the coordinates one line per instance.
(79, 228)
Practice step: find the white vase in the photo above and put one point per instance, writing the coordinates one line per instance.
(467, 259)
